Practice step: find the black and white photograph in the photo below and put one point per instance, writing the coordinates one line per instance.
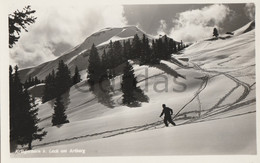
(93, 80)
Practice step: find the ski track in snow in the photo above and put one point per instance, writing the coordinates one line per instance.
(212, 111)
(216, 110)
(204, 115)
(201, 88)
(109, 133)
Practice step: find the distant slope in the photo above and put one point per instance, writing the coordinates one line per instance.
(248, 27)
(79, 55)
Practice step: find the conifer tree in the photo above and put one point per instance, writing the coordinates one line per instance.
(36, 80)
(142, 52)
(159, 48)
(59, 117)
(11, 84)
(49, 91)
(76, 78)
(165, 50)
(18, 21)
(174, 47)
(128, 84)
(105, 63)
(171, 46)
(94, 66)
(110, 59)
(127, 50)
(118, 52)
(16, 93)
(145, 51)
(28, 129)
(179, 47)
(110, 54)
(31, 82)
(154, 56)
(23, 114)
(136, 47)
(26, 84)
(104, 59)
(63, 79)
(15, 89)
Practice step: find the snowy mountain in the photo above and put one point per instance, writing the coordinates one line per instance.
(79, 56)
(210, 87)
(248, 27)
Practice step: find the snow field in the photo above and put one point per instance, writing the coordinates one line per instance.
(215, 89)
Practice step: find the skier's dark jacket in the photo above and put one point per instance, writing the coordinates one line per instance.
(167, 112)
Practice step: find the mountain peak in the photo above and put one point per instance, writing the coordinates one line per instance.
(104, 36)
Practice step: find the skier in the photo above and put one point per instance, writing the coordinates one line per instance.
(167, 115)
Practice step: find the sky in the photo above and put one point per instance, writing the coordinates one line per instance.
(60, 27)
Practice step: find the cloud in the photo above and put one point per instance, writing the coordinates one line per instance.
(250, 10)
(193, 25)
(61, 27)
(162, 28)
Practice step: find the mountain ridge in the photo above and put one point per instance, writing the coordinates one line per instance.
(78, 55)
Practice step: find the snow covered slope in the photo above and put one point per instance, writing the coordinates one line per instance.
(78, 56)
(213, 95)
(192, 139)
(248, 27)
